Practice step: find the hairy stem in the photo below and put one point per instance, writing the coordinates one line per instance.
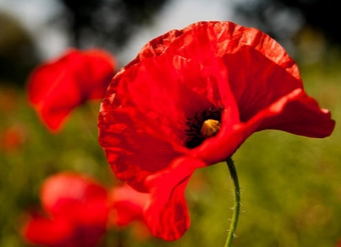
(236, 208)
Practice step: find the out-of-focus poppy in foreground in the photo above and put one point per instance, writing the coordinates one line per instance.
(78, 211)
(75, 212)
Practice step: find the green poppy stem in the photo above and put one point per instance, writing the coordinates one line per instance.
(236, 209)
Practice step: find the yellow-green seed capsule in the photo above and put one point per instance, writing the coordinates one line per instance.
(210, 127)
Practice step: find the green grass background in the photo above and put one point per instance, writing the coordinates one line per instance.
(290, 185)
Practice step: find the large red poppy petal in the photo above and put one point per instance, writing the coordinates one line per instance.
(257, 81)
(166, 213)
(296, 113)
(260, 70)
(132, 153)
(165, 90)
(169, 221)
(155, 47)
(299, 114)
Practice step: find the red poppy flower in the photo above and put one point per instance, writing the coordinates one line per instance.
(57, 87)
(77, 213)
(235, 79)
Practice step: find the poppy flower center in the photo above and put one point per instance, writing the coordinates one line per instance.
(203, 125)
(209, 128)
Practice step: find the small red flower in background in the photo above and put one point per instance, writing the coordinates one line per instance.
(12, 138)
(57, 87)
(128, 207)
(150, 122)
(76, 213)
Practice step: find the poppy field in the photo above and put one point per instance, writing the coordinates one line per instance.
(65, 165)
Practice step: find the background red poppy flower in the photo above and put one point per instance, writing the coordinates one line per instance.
(127, 205)
(56, 87)
(150, 119)
(12, 138)
(76, 212)
(127, 208)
